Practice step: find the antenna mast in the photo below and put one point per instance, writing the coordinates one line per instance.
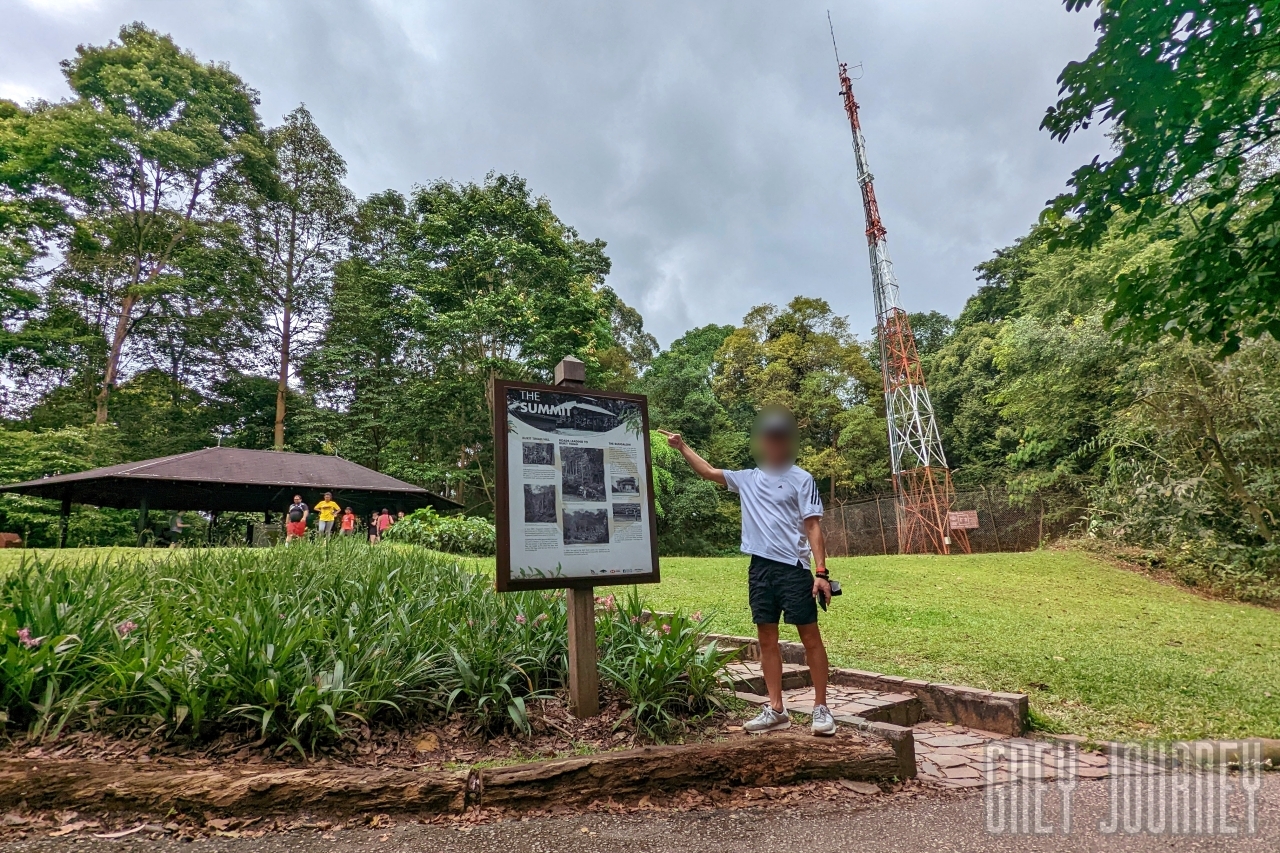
(921, 478)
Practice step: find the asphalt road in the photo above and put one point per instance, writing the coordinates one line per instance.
(938, 821)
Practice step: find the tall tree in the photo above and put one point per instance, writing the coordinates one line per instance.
(299, 230)
(805, 358)
(678, 385)
(1191, 94)
(171, 131)
(445, 289)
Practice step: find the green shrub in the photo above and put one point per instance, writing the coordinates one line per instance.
(301, 641)
(664, 666)
(305, 641)
(452, 534)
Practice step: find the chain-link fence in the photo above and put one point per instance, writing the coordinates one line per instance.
(870, 527)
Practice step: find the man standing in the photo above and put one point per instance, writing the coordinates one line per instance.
(781, 515)
(295, 523)
(328, 511)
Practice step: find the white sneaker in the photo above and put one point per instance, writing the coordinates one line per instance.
(823, 723)
(768, 720)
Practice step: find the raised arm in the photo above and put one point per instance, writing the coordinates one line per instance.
(699, 465)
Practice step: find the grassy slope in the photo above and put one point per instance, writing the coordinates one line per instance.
(1102, 651)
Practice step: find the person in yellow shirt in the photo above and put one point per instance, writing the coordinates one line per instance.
(328, 511)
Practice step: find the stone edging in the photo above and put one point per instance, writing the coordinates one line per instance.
(999, 713)
(1260, 752)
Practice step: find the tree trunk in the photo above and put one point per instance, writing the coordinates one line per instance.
(113, 357)
(773, 760)
(282, 384)
(241, 789)
(235, 789)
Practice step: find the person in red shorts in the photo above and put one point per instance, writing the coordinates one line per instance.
(295, 520)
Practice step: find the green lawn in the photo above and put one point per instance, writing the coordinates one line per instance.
(1102, 651)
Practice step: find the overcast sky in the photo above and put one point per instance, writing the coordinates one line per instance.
(705, 142)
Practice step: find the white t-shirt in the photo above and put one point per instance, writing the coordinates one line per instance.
(774, 509)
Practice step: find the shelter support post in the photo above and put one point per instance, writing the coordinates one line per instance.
(584, 671)
(62, 522)
(142, 519)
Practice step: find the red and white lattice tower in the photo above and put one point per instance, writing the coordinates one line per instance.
(921, 478)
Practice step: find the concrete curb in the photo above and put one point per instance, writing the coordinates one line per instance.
(901, 738)
(1245, 752)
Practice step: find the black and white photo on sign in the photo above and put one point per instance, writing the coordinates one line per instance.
(539, 504)
(626, 484)
(626, 512)
(582, 473)
(586, 527)
(539, 453)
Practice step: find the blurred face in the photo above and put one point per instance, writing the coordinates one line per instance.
(773, 439)
(297, 499)
(778, 450)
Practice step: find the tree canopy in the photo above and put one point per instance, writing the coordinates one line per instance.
(1190, 95)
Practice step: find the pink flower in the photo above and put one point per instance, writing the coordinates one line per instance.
(520, 620)
(610, 604)
(666, 627)
(635, 620)
(697, 616)
(471, 623)
(24, 637)
(126, 628)
(542, 617)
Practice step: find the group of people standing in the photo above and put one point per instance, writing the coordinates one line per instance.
(331, 515)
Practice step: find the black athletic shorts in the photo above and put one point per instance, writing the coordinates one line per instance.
(778, 589)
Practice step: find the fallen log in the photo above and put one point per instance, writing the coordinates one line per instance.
(253, 790)
(226, 790)
(778, 759)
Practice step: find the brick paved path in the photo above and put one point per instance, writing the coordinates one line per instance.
(948, 756)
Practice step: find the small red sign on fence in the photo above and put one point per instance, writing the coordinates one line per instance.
(964, 520)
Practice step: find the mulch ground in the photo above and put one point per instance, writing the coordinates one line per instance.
(23, 824)
(411, 745)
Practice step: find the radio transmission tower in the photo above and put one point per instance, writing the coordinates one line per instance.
(921, 478)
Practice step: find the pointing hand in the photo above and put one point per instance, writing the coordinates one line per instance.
(673, 439)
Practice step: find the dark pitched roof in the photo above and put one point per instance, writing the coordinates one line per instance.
(229, 479)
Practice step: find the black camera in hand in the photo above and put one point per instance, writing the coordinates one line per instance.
(835, 590)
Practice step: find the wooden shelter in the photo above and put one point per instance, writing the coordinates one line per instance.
(229, 479)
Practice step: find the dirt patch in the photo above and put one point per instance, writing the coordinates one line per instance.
(18, 825)
(414, 745)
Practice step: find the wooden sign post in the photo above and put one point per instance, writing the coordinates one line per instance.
(584, 673)
(575, 505)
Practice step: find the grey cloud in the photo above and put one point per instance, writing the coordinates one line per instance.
(704, 141)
